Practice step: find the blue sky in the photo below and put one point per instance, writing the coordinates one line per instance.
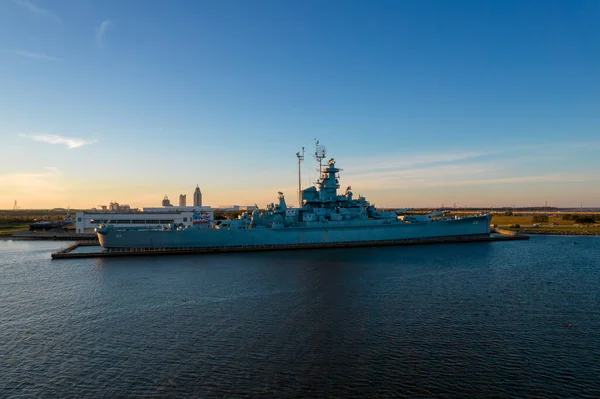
(421, 102)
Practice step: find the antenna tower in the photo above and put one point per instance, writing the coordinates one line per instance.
(300, 159)
(15, 206)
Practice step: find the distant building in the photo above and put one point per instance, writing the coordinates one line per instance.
(116, 207)
(236, 207)
(166, 202)
(182, 199)
(197, 197)
(86, 222)
(177, 209)
(229, 207)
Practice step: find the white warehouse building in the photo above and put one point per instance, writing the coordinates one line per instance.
(86, 222)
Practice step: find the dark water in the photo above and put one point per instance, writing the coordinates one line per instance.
(485, 320)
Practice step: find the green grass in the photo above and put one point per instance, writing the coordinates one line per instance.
(7, 229)
(524, 220)
(563, 226)
(589, 230)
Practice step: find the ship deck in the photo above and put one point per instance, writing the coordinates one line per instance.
(90, 249)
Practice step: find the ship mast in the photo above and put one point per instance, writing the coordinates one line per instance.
(319, 155)
(300, 159)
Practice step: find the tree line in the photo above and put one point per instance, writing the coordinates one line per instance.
(582, 219)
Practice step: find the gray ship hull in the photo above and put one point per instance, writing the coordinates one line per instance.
(334, 234)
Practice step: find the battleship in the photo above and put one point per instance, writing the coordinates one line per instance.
(323, 218)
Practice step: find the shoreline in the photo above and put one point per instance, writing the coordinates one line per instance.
(517, 232)
(17, 238)
(557, 233)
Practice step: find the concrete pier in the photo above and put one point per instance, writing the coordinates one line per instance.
(67, 253)
(53, 235)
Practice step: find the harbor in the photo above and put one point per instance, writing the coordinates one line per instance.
(293, 199)
(322, 218)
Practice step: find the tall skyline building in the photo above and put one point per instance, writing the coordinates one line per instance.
(197, 196)
(182, 199)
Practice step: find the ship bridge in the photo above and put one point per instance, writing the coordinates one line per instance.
(326, 190)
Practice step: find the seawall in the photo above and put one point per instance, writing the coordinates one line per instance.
(67, 253)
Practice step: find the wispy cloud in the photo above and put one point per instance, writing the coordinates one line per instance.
(56, 139)
(463, 174)
(36, 56)
(441, 163)
(52, 170)
(520, 165)
(401, 161)
(546, 178)
(37, 10)
(101, 31)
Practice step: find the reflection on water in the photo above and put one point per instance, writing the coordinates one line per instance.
(87, 249)
(480, 320)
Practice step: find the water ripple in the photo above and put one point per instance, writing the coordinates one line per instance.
(514, 319)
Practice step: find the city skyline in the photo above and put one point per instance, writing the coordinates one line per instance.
(420, 103)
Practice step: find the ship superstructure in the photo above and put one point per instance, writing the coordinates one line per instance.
(324, 216)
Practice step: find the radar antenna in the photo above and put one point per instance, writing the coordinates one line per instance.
(300, 159)
(320, 153)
